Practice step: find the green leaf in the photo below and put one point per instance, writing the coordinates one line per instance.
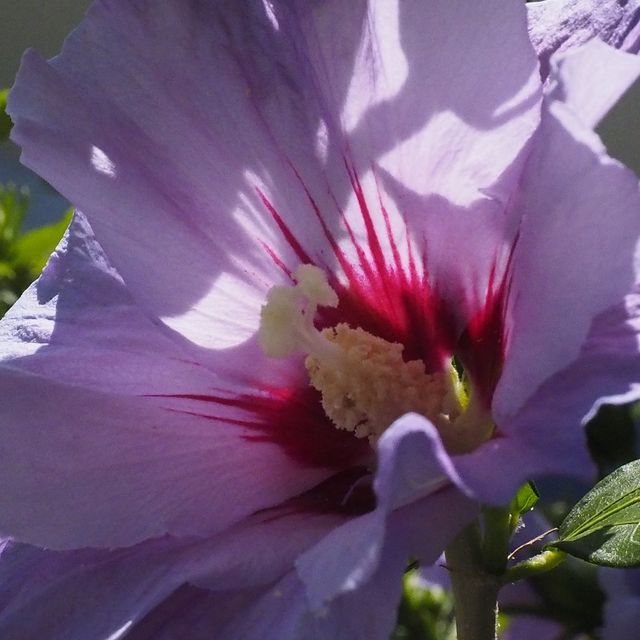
(425, 611)
(5, 121)
(13, 208)
(604, 527)
(525, 499)
(34, 247)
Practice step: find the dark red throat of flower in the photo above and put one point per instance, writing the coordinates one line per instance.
(387, 296)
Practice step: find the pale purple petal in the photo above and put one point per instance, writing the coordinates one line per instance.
(370, 611)
(412, 464)
(559, 25)
(103, 445)
(445, 156)
(98, 337)
(550, 439)
(80, 594)
(434, 136)
(283, 613)
(573, 340)
(72, 478)
(196, 614)
(576, 258)
(591, 79)
(260, 164)
(576, 252)
(168, 150)
(99, 593)
(367, 612)
(414, 484)
(79, 324)
(278, 612)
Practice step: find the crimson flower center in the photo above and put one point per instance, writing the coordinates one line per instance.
(364, 381)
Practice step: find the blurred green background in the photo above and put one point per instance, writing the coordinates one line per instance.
(32, 215)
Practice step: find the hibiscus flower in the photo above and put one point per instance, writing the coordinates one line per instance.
(343, 272)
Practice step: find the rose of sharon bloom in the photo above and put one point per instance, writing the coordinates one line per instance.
(230, 403)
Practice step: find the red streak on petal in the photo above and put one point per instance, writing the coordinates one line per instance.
(482, 345)
(389, 300)
(410, 313)
(372, 237)
(291, 418)
(286, 232)
(387, 225)
(388, 293)
(274, 256)
(381, 295)
(343, 261)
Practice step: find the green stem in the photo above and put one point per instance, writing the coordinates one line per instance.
(475, 591)
(497, 532)
(534, 566)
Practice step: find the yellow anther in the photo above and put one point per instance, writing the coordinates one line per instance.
(364, 381)
(373, 385)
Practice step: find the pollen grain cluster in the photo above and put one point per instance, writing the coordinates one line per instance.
(373, 385)
(364, 381)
